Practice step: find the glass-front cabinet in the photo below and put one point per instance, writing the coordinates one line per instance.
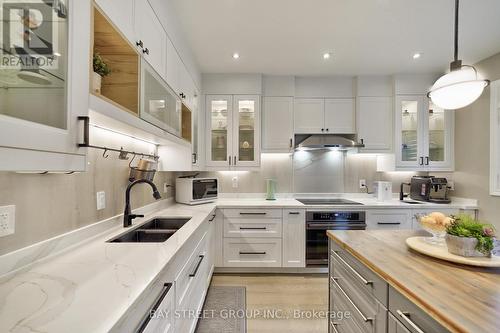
(233, 123)
(424, 135)
(44, 79)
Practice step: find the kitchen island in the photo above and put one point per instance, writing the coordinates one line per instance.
(374, 271)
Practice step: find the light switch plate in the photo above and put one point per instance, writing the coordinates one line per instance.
(101, 200)
(7, 220)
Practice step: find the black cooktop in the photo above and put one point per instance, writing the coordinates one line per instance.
(328, 202)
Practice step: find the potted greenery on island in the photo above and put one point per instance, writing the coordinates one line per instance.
(469, 238)
(101, 69)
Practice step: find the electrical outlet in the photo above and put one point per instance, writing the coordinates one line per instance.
(7, 220)
(235, 182)
(165, 187)
(362, 183)
(451, 185)
(101, 200)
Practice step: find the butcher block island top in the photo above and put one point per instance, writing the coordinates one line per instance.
(461, 298)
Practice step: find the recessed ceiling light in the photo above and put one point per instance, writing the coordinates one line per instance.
(417, 55)
(327, 55)
(236, 55)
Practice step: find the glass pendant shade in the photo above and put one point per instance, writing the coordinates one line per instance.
(457, 89)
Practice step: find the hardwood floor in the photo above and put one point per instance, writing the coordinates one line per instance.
(282, 302)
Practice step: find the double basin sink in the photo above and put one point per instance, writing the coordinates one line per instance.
(156, 230)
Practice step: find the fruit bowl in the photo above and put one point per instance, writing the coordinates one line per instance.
(435, 223)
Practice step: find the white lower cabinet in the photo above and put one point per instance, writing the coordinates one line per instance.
(388, 219)
(294, 235)
(252, 252)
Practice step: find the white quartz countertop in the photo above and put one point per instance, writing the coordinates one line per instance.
(88, 287)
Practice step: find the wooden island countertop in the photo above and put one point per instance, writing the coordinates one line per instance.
(461, 298)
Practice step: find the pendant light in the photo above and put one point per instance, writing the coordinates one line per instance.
(461, 86)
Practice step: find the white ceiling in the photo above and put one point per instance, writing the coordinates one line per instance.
(365, 36)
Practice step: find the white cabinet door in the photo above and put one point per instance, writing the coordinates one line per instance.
(309, 115)
(219, 131)
(188, 88)
(174, 64)
(277, 124)
(149, 30)
(246, 131)
(294, 237)
(121, 13)
(374, 123)
(39, 127)
(438, 138)
(339, 116)
(388, 219)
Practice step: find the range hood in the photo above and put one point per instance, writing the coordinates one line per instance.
(328, 141)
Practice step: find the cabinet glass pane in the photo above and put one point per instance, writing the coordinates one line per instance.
(246, 130)
(219, 127)
(436, 133)
(34, 61)
(159, 104)
(409, 128)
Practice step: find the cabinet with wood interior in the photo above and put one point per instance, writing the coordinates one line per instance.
(233, 131)
(324, 116)
(41, 133)
(424, 135)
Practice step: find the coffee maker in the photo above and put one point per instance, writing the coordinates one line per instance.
(430, 189)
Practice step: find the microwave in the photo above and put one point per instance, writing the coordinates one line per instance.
(193, 191)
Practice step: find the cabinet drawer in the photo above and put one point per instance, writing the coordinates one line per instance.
(395, 326)
(358, 321)
(393, 219)
(357, 274)
(252, 227)
(191, 271)
(252, 252)
(254, 213)
(411, 316)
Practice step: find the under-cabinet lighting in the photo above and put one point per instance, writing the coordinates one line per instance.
(124, 134)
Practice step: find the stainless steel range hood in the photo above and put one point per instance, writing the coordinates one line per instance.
(328, 141)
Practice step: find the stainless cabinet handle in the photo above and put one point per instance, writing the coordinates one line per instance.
(250, 253)
(366, 319)
(406, 317)
(294, 213)
(359, 276)
(334, 328)
(256, 213)
(156, 305)
(389, 223)
(253, 228)
(200, 259)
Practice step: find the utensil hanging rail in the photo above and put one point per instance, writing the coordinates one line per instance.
(86, 142)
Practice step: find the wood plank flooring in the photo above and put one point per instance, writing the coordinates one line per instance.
(282, 302)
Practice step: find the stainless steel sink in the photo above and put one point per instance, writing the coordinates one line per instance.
(156, 230)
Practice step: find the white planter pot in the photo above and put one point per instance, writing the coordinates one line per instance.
(463, 246)
(96, 83)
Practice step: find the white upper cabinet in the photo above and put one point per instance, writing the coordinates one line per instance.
(39, 126)
(174, 64)
(309, 115)
(151, 38)
(424, 135)
(374, 123)
(277, 124)
(339, 116)
(324, 116)
(121, 13)
(233, 131)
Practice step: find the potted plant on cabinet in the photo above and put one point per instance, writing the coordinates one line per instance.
(467, 237)
(101, 69)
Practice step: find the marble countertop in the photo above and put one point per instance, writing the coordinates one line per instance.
(90, 287)
(462, 298)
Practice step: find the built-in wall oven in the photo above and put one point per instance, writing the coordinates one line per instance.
(317, 223)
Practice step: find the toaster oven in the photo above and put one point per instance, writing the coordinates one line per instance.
(193, 191)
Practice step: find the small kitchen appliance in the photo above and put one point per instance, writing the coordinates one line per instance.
(430, 189)
(193, 191)
(382, 191)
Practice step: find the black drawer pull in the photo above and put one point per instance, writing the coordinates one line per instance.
(389, 223)
(253, 228)
(241, 213)
(406, 317)
(200, 259)
(213, 218)
(156, 305)
(294, 213)
(250, 253)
